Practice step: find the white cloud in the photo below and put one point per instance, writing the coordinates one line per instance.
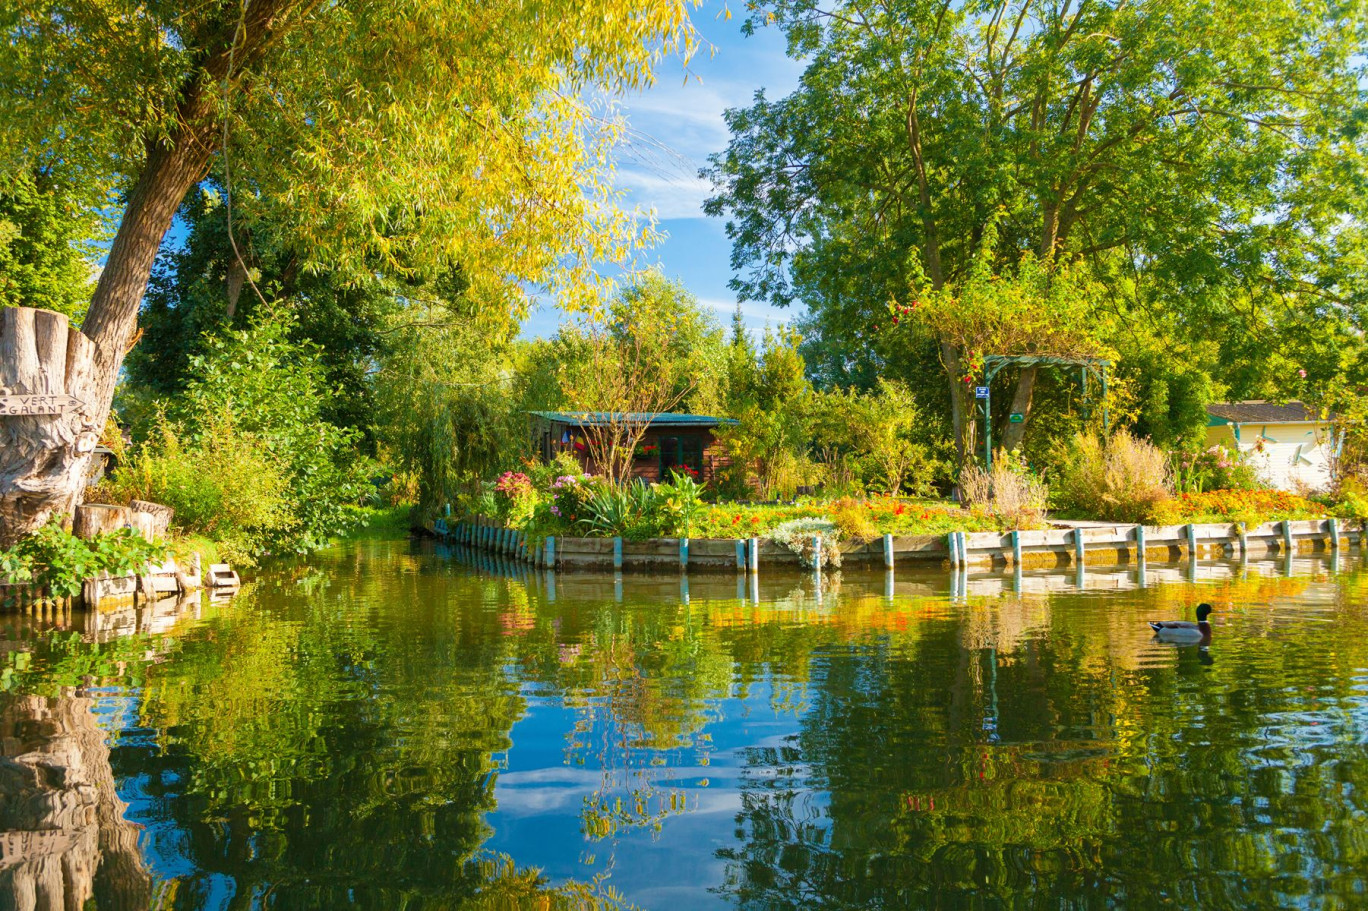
(670, 196)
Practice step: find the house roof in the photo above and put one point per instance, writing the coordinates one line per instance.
(1262, 412)
(650, 418)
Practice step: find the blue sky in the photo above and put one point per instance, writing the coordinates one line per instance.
(675, 125)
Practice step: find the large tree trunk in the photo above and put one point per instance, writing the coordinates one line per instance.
(44, 459)
(962, 404)
(43, 480)
(1021, 404)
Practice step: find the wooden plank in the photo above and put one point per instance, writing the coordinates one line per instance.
(713, 547)
(987, 540)
(1122, 535)
(585, 546)
(1163, 534)
(916, 544)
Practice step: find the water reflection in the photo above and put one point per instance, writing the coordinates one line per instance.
(63, 837)
(386, 727)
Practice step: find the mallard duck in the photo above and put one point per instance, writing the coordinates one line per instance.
(1184, 630)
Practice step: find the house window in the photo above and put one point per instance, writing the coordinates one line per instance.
(681, 452)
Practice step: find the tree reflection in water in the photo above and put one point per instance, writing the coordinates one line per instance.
(335, 737)
(63, 837)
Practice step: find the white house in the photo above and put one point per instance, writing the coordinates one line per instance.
(1289, 445)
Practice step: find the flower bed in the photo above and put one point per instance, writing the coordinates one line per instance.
(853, 518)
(1252, 507)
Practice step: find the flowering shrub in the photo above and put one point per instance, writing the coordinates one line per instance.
(568, 495)
(799, 536)
(514, 484)
(1214, 468)
(1252, 507)
(515, 497)
(853, 519)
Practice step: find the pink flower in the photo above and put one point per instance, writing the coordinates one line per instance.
(1302, 373)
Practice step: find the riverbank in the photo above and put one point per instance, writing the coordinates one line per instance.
(1095, 543)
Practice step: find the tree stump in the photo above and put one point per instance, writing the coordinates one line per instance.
(48, 418)
(159, 516)
(96, 518)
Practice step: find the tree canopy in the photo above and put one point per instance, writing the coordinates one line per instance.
(1204, 159)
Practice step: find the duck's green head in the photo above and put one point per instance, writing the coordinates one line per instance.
(1203, 611)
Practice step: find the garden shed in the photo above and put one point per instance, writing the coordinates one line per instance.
(1290, 446)
(670, 441)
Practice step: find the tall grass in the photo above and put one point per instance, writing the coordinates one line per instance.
(1010, 492)
(1121, 479)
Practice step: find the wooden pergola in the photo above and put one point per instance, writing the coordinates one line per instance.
(993, 364)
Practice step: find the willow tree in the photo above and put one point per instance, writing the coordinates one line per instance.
(1205, 158)
(428, 131)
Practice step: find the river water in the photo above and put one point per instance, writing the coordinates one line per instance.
(386, 726)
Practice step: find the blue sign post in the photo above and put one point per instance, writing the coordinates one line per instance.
(980, 392)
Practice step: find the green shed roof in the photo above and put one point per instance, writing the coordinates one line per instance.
(650, 418)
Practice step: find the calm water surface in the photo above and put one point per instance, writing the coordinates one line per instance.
(387, 727)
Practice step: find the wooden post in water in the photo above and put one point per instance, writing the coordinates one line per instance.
(551, 552)
(1016, 550)
(755, 555)
(888, 551)
(1334, 535)
(1244, 542)
(817, 555)
(1080, 554)
(617, 554)
(1191, 531)
(1287, 536)
(954, 549)
(684, 555)
(740, 557)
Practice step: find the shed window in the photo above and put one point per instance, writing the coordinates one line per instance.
(676, 452)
